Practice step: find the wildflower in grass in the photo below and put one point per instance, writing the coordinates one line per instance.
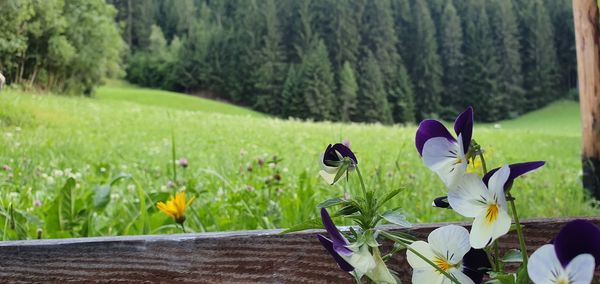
(353, 259)
(336, 158)
(571, 259)
(183, 162)
(37, 203)
(487, 204)
(445, 247)
(5, 168)
(441, 152)
(175, 207)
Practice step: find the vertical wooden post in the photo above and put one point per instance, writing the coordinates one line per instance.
(587, 37)
(2, 80)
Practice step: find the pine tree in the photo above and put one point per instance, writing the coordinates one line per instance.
(451, 41)
(293, 97)
(379, 37)
(270, 75)
(348, 92)
(540, 66)
(481, 65)
(561, 12)
(371, 96)
(317, 82)
(425, 62)
(510, 80)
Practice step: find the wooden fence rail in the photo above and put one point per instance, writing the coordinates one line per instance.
(230, 257)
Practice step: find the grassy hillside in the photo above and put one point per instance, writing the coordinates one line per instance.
(120, 91)
(121, 133)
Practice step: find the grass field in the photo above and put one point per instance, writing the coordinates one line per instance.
(124, 135)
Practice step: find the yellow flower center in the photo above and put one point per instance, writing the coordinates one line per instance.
(458, 160)
(562, 281)
(442, 263)
(491, 213)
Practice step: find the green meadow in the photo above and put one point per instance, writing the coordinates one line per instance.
(97, 166)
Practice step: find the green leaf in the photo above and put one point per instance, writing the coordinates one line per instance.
(66, 208)
(512, 255)
(395, 217)
(348, 210)
(341, 171)
(396, 236)
(522, 275)
(387, 197)
(310, 224)
(330, 202)
(501, 278)
(102, 196)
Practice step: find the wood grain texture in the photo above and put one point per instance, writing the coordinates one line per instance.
(232, 257)
(587, 37)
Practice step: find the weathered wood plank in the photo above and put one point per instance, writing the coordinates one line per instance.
(232, 257)
(587, 38)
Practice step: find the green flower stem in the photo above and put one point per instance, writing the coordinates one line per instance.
(497, 254)
(362, 183)
(519, 228)
(490, 259)
(483, 165)
(396, 239)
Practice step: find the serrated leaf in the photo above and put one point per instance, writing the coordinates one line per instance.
(330, 202)
(395, 217)
(512, 255)
(66, 210)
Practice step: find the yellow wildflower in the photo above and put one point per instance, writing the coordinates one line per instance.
(175, 207)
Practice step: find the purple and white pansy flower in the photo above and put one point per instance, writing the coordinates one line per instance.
(441, 152)
(445, 247)
(332, 160)
(516, 170)
(487, 204)
(571, 259)
(359, 260)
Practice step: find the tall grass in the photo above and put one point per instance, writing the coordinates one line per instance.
(97, 166)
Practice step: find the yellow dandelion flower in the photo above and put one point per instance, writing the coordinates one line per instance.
(175, 207)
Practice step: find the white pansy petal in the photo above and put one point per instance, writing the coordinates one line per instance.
(498, 180)
(501, 225)
(543, 265)
(469, 197)
(581, 269)
(481, 231)
(329, 178)
(361, 260)
(427, 275)
(450, 242)
(424, 249)
(442, 156)
(460, 276)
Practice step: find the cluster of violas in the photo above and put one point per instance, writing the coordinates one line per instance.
(452, 254)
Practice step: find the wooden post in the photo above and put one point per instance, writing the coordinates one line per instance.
(587, 37)
(2, 80)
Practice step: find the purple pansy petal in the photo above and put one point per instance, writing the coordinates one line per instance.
(464, 125)
(328, 244)
(475, 263)
(331, 155)
(441, 202)
(577, 237)
(516, 170)
(428, 129)
(339, 242)
(345, 152)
